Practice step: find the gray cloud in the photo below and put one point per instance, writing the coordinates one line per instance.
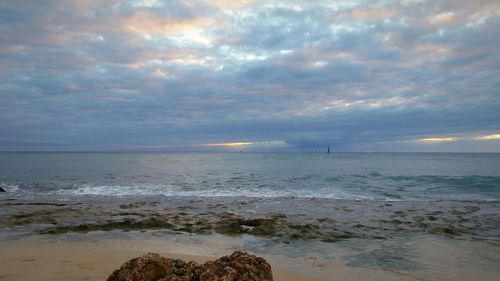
(360, 75)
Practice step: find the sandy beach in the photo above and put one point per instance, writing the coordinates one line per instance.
(84, 261)
(39, 259)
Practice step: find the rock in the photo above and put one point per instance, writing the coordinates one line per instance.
(1, 189)
(236, 226)
(237, 267)
(447, 230)
(153, 267)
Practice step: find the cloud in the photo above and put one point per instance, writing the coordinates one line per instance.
(101, 74)
(488, 137)
(433, 140)
(461, 138)
(255, 144)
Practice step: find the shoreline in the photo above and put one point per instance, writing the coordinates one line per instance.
(285, 219)
(305, 239)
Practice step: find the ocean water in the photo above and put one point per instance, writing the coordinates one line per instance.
(357, 176)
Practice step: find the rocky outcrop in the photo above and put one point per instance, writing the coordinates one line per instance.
(152, 267)
(1, 189)
(236, 267)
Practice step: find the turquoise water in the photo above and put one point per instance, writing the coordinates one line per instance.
(360, 176)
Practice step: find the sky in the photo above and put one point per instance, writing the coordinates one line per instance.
(411, 75)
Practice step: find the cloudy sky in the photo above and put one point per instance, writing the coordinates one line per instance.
(410, 75)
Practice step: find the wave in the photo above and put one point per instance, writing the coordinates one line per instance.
(371, 186)
(171, 190)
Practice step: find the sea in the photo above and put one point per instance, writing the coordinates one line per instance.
(412, 216)
(352, 176)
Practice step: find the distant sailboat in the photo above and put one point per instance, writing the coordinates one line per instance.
(328, 150)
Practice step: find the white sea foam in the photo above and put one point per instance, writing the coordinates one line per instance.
(10, 187)
(171, 190)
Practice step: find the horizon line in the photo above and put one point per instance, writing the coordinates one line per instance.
(241, 151)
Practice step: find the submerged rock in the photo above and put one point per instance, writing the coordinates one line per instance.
(126, 225)
(447, 230)
(235, 226)
(238, 266)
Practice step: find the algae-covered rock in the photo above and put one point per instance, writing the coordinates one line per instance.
(235, 226)
(125, 225)
(447, 230)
